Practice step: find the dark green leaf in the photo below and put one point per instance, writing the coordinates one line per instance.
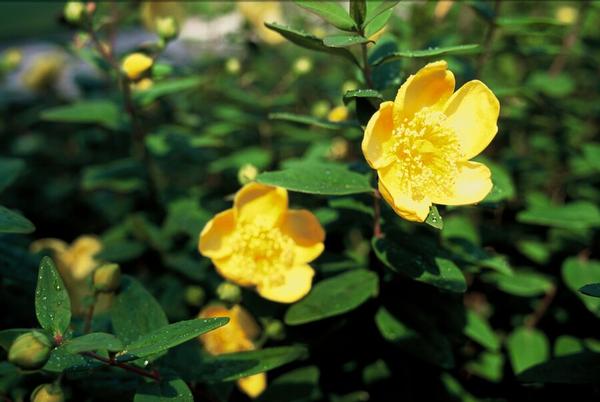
(168, 390)
(576, 215)
(330, 11)
(102, 112)
(92, 342)
(592, 289)
(426, 53)
(526, 348)
(577, 273)
(370, 94)
(7, 336)
(334, 296)
(52, 303)
(14, 222)
(299, 385)
(318, 178)
(358, 11)
(62, 360)
(313, 121)
(10, 168)
(344, 40)
(120, 176)
(580, 368)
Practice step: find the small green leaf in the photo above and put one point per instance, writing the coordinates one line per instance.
(164, 88)
(120, 176)
(592, 289)
(479, 330)
(344, 40)
(577, 273)
(318, 178)
(330, 11)
(434, 219)
(167, 390)
(102, 112)
(523, 283)
(10, 168)
(425, 53)
(92, 342)
(488, 365)
(358, 11)
(313, 121)
(61, 360)
(299, 385)
(526, 348)
(376, 8)
(14, 222)
(334, 296)
(52, 303)
(576, 215)
(370, 94)
(169, 336)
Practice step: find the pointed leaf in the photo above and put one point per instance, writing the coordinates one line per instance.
(52, 303)
(14, 222)
(330, 11)
(425, 53)
(92, 342)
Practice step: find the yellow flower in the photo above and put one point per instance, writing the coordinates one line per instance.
(337, 114)
(152, 11)
(259, 12)
(44, 71)
(260, 243)
(236, 336)
(75, 263)
(566, 15)
(136, 64)
(422, 142)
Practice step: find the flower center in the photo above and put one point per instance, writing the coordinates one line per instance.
(262, 254)
(427, 153)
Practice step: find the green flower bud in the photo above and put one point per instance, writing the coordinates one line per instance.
(233, 66)
(349, 86)
(74, 11)
(274, 329)
(320, 109)
(30, 351)
(166, 28)
(107, 278)
(194, 296)
(48, 393)
(247, 173)
(229, 292)
(303, 65)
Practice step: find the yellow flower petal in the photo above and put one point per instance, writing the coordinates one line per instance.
(297, 283)
(379, 136)
(401, 201)
(229, 269)
(262, 205)
(472, 112)
(229, 338)
(246, 322)
(306, 231)
(431, 86)
(473, 183)
(253, 385)
(213, 241)
(55, 245)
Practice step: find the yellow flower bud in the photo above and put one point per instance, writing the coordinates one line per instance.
(194, 296)
(167, 28)
(107, 278)
(337, 114)
(136, 64)
(566, 15)
(142, 85)
(232, 66)
(47, 393)
(12, 58)
(74, 11)
(247, 173)
(229, 292)
(30, 351)
(339, 148)
(303, 65)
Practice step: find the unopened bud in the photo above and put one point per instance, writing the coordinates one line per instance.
(247, 173)
(303, 65)
(47, 393)
(339, 148)
(74, 12)
(233, 66)
(320, 109)
(136, 64)
(349, 86)
(275, 330)
(107, 278)
(337, 114)
(229, 292)
(30, 351)
(166, 28)
(194, 296)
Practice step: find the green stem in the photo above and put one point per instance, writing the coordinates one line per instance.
(87, 327)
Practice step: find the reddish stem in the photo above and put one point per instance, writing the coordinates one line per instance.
(154, 374)
(376, 215)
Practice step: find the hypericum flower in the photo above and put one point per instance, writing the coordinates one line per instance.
(260, 243)
(259, 12)
(75, 263)
(422, 142)
(136, 64)
(236, 336)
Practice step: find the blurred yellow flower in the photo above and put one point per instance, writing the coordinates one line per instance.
(566, 15)
(259, 12)
(261, 243)
(422, 142)
(75, 263)
(11, 58)
(237, 336)
(337, 114)
(136, 64)
(142, 85)
(152, 11)
(442, 8)
(43, 71)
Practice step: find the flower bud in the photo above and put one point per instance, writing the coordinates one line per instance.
(320, 109)
(247, 173)
(136, 64)
(30, 351)
(275, 330)
(229, 292)
(339, 148)
(107, 278)
(194, 296)
(303, 65)
(142, 85)
(47, 393)
(232, 66)
(337, 114)
(349, 86)
(74, 12)
(166, 28)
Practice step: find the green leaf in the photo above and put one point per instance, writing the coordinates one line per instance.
(376, 8)
(334, 296)
(164, 88)
(434, 219)
(10, 168)
(554, 86)
(580, 368)
(92, 342)
(308, 41)
(523, 283)
(526, 348)
(102, 112)
(488, 365)
(465, 252)
(52, 303)
(61, 360)
(479, 330)
(358, 11)
(503, 189)
(120, 176)
(14, 222)
(592, 289)
(576, 215)
(421, 265)
(299, 385)
(425, 53)
(577, 273)
(317, 178)
(526, 21)
(344, 40)
(330, 11)
(370, 94)
(169, 390)
(169, 336)
(233, 366)
(313, 121)
(135, 312)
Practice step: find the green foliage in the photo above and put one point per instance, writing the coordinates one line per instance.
(52, 303)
